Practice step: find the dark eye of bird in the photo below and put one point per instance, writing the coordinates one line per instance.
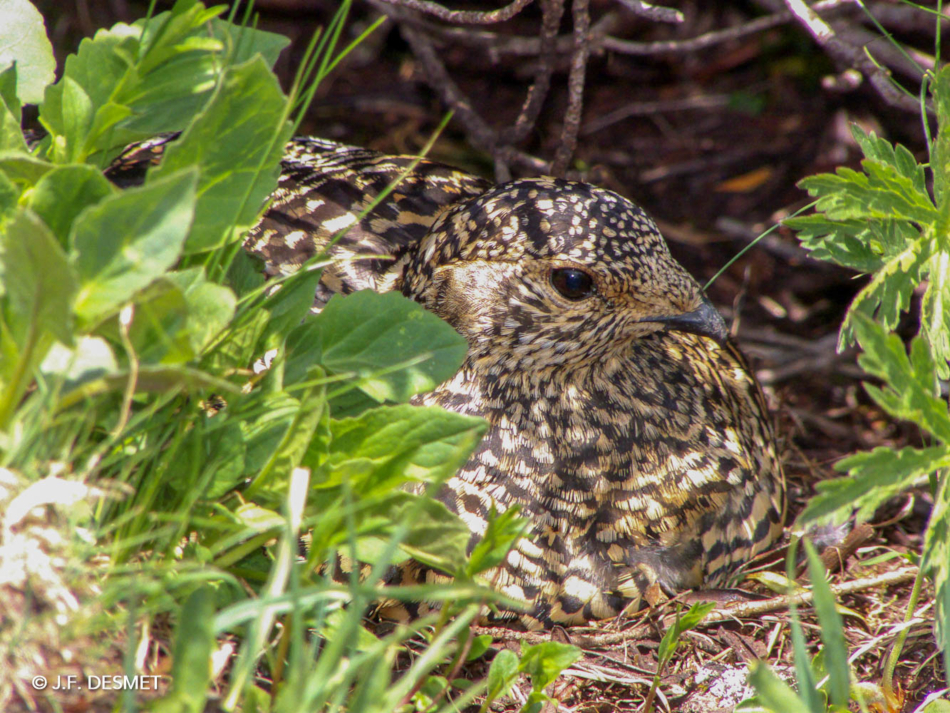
(573, 284)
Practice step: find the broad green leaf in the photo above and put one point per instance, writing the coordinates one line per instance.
(23, 40)
(210, 306)
(389, 343)
(873, 478)
(191, 662)
(911, 391)
(246, 42)
(23, 170)
(436, 537)
(158, 333)
(772, 692)
(236, 142)
(90, 359)
(500, 536)
(11, 135)
(39, 284)
(127, 240)
(8, 97)
(291, 303)
(264, 418)
(403, 443)
(832, 631)
(64, 192)
(502, 674)
(9, 195)
(544, 662)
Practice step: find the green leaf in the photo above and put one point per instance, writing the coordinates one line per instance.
(436, 537)
(772, 692)
(544, 662)
(236, 142)
(890, 290)
(23, 40)
(911, 390)
(210, 306)
(39, 283)
(400, 444)
(500, 536)
(64, 192)
(127, 240)
(389, 343)
(940, 156)
(881, 151)
(9, 196)
(936, 560)
(90, 359)
(688, 621)
(502, 674)
(191, 663)
(11, 135)
(23, 170)
(882, 193)
(832, 631)
(480, 645)
(935, 312)
(873, 478)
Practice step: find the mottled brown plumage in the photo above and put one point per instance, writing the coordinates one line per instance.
(622, 420)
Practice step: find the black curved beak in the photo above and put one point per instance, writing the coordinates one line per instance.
(705, 321)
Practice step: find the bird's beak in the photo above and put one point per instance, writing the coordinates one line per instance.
(705, 321)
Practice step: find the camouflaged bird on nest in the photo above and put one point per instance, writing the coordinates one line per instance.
(622, 419)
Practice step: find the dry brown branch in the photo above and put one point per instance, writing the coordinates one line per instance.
(851, 56)
(575, 84)
(714, 37)
(552, 11)
(468, 17)
(652, 12)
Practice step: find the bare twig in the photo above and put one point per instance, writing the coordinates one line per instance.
(468, 17)
(575, 83)
(652, 12)
(552, 11)
(716, 36)
(851, 56)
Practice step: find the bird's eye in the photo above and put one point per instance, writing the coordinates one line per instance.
(573, 284)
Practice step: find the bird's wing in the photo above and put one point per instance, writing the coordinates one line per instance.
(326, 187)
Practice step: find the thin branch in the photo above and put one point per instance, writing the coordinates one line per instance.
(575, 88)
(851, 56)
(552, 11)
(652, 12)
(467, 17)
(715, 37)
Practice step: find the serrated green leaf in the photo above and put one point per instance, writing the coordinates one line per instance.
(940, 156)
(128, 240)
(39, 284)
(881, 194)
(390, 344)
(890, 290)
(897, 156)
(911, 391)
(848, 243)
(874, 477)
(236, 142)
(832, 631)
(23, 40)
(544, 662)
(935, 313)
(64, 192)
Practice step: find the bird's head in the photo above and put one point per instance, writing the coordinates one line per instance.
(554, 272)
